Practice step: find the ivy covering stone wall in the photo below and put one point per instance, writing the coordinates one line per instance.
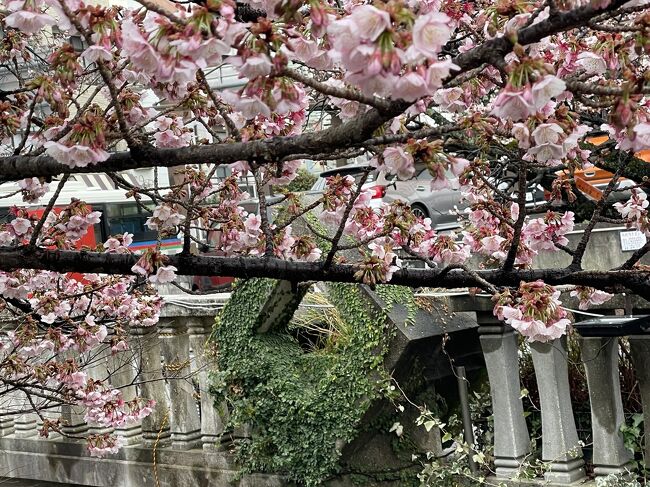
(302, 406)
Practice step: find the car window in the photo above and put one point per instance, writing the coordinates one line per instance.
(425, 175)
(371, 177)
(318, 185)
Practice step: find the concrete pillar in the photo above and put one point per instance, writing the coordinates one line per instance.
(25, 423)
(560, 444)
(600, 356)
(6, 426)
(511, 439)
(184, 421)
(7, 420)
(214, 417)
(122, 370)
(640, 348)
(152, 386)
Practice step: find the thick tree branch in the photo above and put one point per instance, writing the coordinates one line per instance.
(249, 267)
(263, 151)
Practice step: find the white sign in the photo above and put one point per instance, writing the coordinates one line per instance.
(632, 240)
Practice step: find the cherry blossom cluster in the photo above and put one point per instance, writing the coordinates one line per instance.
(165, 218)
(589, 296)
(635, 211)
(84, 144)
(391, 51)
(548, 232)
(401, 161)
(68, 324)
(380, 265)
(534, 310)
(152, 264)
(60, 228)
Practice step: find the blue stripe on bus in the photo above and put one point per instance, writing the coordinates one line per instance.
(154, 242)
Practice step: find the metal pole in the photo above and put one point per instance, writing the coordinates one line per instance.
(468, 430)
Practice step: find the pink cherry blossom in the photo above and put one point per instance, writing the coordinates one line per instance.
(76, 155)
(32, 189)
(254, 66)
(590, 296)
(543, 90)
(535, 311)
(591, 63)
(547, 133)
(249, 106)
(164, 274)
(21, 226)
(450, 99)
(398, 161)
(642, 136)
(369, 22)
(95, 53)
(514, 104)
(522, 134)
(544, 233)
(430, 33)
(28, 21)
(547, 152)
(410, 87)
(438, 72)
(140, 52)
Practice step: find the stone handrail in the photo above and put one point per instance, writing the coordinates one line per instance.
(178, 444)
(561, 449)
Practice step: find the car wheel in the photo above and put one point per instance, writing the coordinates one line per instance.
(420, 211)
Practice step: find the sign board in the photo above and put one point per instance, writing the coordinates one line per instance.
(632, 240)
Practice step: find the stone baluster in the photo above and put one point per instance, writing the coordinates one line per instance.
(600, 357)
(122, 372)
(72, 419)
(560, 444)
(213, 417)
(511, 439)
(6, 425)
(7, 420)
(640, 348)
(25, 423)
(155, 427)
(184, 421)
(97, 368)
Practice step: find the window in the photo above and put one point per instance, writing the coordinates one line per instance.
(129, 218)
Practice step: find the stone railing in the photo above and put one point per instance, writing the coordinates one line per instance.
(176, 445)
(561, 451)
(502, 350)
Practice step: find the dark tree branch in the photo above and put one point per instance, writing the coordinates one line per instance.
(636, 256)
(249, 267)
(264, 151)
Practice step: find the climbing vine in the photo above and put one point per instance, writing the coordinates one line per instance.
(302, 406)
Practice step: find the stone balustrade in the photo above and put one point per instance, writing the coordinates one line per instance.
(561, 450)
(178, 444)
